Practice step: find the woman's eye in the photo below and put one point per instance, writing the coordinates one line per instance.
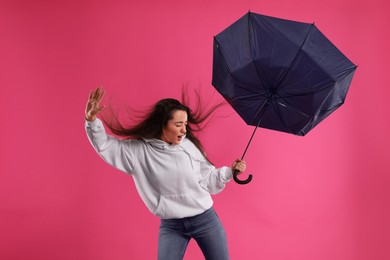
(181, 124)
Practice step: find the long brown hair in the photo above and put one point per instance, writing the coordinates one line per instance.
(151, 124)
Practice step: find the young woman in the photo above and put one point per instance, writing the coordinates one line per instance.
(171, 172)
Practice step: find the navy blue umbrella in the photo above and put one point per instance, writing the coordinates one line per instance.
(279, 74)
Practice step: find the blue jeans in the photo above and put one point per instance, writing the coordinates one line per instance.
(206, 229)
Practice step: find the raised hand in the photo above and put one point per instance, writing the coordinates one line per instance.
(93, 105)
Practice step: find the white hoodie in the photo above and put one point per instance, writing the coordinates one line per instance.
(174, 181)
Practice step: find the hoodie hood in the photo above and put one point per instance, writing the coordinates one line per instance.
(162, 145)
(185, 146)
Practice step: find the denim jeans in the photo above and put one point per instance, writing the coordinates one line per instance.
(206, 229)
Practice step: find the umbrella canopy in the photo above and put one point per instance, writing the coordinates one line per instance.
(280, 74)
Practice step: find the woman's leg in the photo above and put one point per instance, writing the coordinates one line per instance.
(210, 236)
(172, 240)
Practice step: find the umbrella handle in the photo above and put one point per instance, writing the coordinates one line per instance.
(248, 180)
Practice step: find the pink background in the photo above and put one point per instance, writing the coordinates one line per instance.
(323, 196)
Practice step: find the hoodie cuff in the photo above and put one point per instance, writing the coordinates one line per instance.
(92, 123)
(227, 174)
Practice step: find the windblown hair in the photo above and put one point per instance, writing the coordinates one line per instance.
(156, 118)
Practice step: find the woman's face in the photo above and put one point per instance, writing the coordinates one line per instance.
(176, 128)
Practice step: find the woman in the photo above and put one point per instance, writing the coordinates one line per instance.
(172, 175)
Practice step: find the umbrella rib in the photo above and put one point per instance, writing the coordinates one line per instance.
(281, 119)
(295, 58)
(250, 89)
(250, 29)
(346, 74)
(222, 55)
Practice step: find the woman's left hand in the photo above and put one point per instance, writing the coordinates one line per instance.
(239, 165)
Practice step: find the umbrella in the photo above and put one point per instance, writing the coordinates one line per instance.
(279, 74)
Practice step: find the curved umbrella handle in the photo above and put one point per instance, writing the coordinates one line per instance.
(248, 180)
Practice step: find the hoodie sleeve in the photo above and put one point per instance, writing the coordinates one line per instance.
(214, 179)
(118, 153)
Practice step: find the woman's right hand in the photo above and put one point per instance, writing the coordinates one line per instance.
(93, 105)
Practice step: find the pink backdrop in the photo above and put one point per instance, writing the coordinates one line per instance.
(324, 196)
